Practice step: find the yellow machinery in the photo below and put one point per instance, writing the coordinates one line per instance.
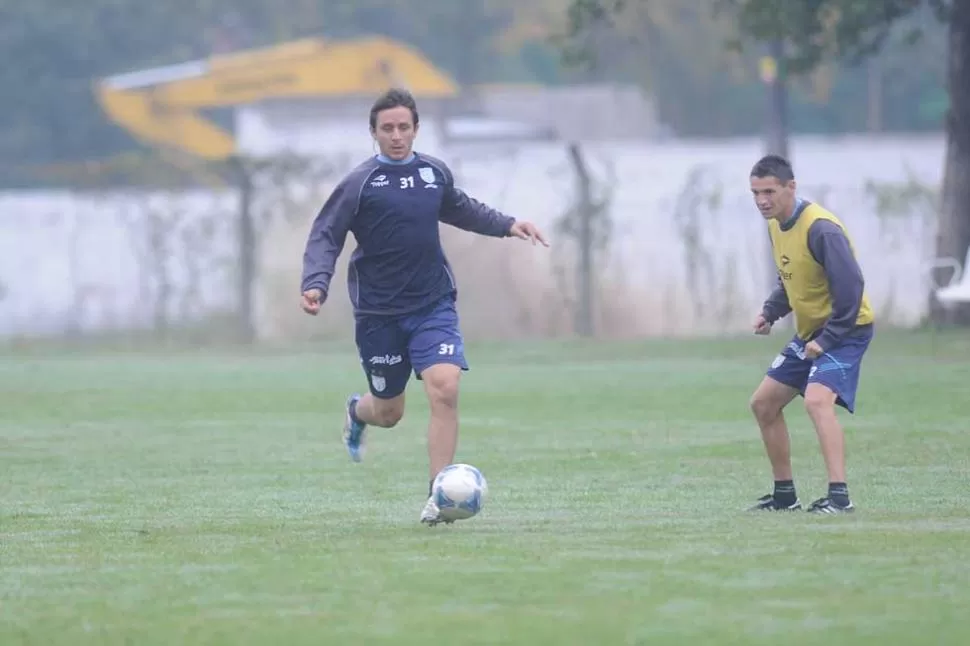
(162, 106)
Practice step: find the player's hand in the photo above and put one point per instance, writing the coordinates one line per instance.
(312, 300)
(813, 350)
(528, 231)
(761, 326)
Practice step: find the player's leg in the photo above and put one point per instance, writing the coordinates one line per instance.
(441, 386)
(378, 409)
(438, 356)
(820, 405)
(768, 403)
(383, 355)
(785, 379)
(833, 380)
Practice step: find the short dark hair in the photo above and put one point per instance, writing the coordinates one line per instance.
(393, 98)
(773, 166)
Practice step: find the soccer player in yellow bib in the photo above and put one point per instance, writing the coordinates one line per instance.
(820, 282)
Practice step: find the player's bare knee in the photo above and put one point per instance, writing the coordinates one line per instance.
(388, 412)
(764, 407)
(442, 388)
(819, 401)
(390, 417)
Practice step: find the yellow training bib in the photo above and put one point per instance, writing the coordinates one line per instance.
(804, 279)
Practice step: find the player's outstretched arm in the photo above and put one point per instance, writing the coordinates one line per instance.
(469, 214)
(324, 244)
(464, 212)
(831, 249)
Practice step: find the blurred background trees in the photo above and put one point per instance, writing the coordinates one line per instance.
(53, 51)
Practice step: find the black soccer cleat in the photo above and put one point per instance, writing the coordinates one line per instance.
(828, 506)
(769, 503)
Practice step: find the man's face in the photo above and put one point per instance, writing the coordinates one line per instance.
(395, 132)
(774, 198)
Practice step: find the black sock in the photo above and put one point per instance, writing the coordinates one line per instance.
(430, 487)
(785, 492)
(839, 493)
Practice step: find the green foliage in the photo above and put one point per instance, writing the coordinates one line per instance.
(814, 30)
(586, 22)
(680, 48)
(53, 51)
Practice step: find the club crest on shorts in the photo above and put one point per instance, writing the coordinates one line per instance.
(780, 359)
(378, 382)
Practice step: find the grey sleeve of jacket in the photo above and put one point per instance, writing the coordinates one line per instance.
(776, 306)
(830, 248)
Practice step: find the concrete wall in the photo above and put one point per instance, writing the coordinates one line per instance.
(688, 254)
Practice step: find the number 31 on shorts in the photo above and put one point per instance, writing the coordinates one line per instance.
(446, 349)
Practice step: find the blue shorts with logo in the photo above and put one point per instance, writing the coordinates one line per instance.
(837, 369)
(391, 347)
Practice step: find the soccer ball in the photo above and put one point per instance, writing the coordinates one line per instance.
(459, 491)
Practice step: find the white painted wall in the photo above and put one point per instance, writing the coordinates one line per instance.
(53, 244)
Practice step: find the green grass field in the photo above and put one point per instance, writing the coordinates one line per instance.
(205, 498)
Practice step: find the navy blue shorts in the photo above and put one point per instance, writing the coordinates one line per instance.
(391, 347)
(838, 369)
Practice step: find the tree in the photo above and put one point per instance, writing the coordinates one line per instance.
(53, 52)
(814, 32)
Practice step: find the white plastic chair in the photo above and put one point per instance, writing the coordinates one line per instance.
(957, 289)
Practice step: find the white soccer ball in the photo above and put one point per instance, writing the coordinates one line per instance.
(459, 491)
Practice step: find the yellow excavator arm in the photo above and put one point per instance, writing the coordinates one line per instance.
(162, 106)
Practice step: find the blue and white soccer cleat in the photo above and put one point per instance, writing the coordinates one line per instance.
(354, 432)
